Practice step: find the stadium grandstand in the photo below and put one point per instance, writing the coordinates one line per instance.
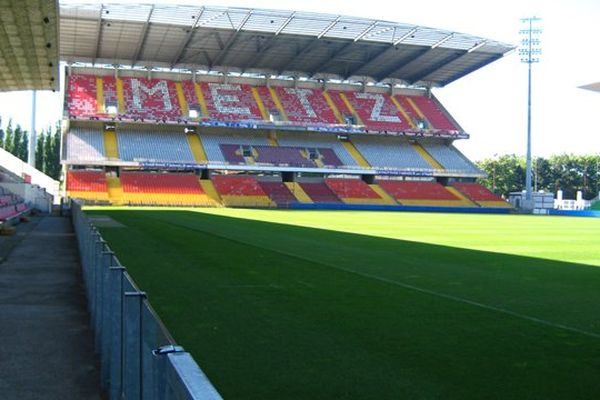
(212, 106)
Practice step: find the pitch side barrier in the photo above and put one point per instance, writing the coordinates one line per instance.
(378, 207)
(576, 213)
(139, 358)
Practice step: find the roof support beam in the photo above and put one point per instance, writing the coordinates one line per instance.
(370, 61)
(424, 73)
(231, 41)
(305, 50)
(403, 63)
(98, 34)
(260, 55)
(186, 41)
(143, 36)
(472, 68)
(331, 58)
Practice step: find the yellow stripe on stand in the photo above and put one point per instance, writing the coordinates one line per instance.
(434, 203)
(185, 110)
(247, 201)
(273, 138)
(298, 192)
(278, 104)
(201, 100)
(464, 199)
(352, 110)
(93, 196)
(100, 95)
(260, 104)
(423, 153)
(417, 110)
(495, 203)
(403, 112)
(115, 190)
(334, 108)
(197, 148)
(111, 147)
(209, 188)
(387, 199)
(356, 154)
(120, 97)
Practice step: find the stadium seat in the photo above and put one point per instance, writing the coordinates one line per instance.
(241, 191)
(87, 185)
(319, 192)
(234, 102)
(480, 195)
(433, 113)
(354, 191)
(81, 96)
(278, 192)
(85, 144)
(422, 193)
(135, 144)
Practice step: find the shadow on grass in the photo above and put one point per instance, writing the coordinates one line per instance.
(280, 311)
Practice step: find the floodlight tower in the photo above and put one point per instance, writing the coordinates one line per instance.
(530, 52)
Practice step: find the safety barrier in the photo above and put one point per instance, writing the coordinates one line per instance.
(139, 358)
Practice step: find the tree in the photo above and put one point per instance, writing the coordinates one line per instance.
(8, 138)
(39, 151)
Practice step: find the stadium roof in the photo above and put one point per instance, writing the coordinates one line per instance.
(268, 41)
(28, 45)
(595, 87)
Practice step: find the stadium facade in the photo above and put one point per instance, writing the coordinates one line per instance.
(207, 106)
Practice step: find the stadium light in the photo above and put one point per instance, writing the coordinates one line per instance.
(530, 52)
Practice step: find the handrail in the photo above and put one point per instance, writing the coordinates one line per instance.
(138, 356)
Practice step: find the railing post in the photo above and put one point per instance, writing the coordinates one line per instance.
(97, 321)
(107, 258)
(132, 344)
(116, 331)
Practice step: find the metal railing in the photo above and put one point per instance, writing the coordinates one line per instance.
(139, 358)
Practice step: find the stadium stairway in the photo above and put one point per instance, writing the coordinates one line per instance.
(467, 202)
(48, 346)
(360, 160)
(298, 192)
(426, 156)
(209, 188)
(197, 148)
(111, 147)
(115, 190)
(479, 195)
(386, 198)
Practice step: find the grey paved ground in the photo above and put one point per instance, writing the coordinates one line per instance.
(46, 345)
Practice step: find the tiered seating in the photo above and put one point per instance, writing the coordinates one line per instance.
(7, 212)
(304, 105)
(230, 102)
(241, 191)
(87, 185)
(10, 204)
(377, 111)
(232, 153)
(81, 96)
(319, 192)
(354, 191)
(150, 99)
(163, 189)
(449, 157)
(278, 192)
(424, 193)
(84, 144)
(212, 142)
(433, 114)
(320, 141)
(480, 195)
(392, 152)
(137, 145)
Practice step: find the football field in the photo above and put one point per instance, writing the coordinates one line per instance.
(373, 305)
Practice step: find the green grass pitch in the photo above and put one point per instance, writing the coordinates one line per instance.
(373, 305)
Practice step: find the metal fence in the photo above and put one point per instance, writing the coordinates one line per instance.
(139, 358)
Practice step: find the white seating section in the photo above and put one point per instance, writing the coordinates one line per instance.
(138, 145)
(323, 140)
(84, 144)
(449, 157)
(211, 142)
(389, 152)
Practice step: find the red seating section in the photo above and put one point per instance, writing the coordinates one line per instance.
(319, 192)
(156, 99)
(351, 189)
(476, 192)
(235, 185)
(86, 181)
(417, 190)
(278, 192)
(143, 182)
(81, 98)
(433, 114)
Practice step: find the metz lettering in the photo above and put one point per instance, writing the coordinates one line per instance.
(219, 99)
(138, 87)
(302, 95)
(376, 111)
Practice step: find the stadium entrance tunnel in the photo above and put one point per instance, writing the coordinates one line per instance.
(274, 310)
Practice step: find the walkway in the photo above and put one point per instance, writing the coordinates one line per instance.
(47, 345)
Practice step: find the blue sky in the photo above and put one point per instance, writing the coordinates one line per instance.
(490, 103)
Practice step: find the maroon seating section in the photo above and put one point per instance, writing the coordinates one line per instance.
(417, 190)
(351, 189)
(86, 181)
(319, 192)
(232, 153)
(145, 182)
(476, 192)
(278, 192)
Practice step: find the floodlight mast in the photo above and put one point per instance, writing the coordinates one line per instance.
(530, 51)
